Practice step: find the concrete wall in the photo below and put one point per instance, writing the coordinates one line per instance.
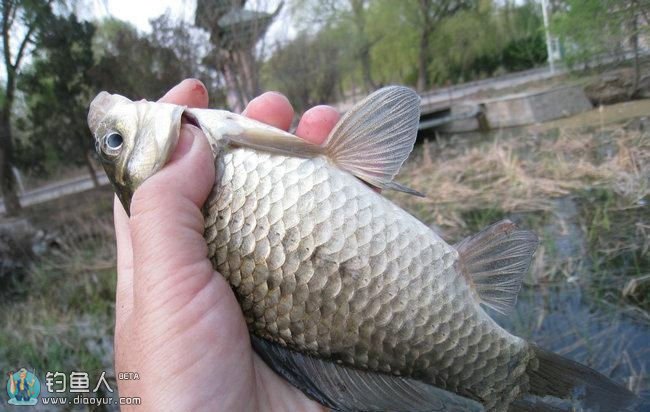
(527, 108)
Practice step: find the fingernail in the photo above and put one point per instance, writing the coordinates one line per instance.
(186, 140)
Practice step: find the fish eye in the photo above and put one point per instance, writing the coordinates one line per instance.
(114, 141)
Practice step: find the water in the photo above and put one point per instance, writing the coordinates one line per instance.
(565, 317)
(562, 319)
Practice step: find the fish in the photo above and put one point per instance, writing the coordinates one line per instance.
(346, 295)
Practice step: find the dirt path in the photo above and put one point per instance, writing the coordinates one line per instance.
(56, 190)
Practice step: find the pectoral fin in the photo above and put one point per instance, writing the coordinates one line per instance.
(239, 130)
(347, 389)
(262, 137)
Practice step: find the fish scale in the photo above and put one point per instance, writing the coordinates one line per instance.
(359, 280)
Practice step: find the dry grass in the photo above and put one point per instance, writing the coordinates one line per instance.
(524, 173)
(604, 173)
(82, 247)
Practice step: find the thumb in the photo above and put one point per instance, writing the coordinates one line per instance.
(169, 251)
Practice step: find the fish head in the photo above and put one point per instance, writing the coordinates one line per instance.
(133, 139)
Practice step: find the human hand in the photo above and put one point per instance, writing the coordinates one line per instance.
(178, 323)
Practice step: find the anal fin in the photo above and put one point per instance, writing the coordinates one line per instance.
(494, 262)
(343, 388)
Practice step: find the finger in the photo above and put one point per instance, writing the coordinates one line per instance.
(124, 288)
(316, 124)
(271, 108)
(170, 253)
(189, 92)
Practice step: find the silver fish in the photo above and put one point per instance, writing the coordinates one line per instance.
(346, 295)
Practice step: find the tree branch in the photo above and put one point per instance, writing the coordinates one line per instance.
(12, 17)
(6, 10)
(27, 39)
(645, 14)
(23, 45)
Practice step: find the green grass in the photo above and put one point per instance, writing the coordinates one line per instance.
(618, 246)
(478, 219)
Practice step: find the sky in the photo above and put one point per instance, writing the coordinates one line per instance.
(139, 12)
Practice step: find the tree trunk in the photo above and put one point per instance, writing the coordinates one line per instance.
(251, 73)
(7, 179)
(366, 69)
(635, 46)
(423, 62)
(365, 45)
(234, 93)
(423, 55)
(91, 170)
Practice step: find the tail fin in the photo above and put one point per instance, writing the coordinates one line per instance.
(563, 378)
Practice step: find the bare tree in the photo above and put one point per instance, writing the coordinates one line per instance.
(234, 33)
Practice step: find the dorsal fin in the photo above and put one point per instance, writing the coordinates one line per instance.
(371, 141)
(376, 136)
(494, 262)
(342, 388)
